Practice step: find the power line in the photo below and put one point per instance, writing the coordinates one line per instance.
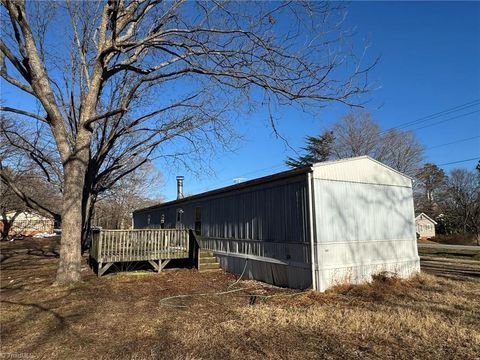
(451, 143)
(459, 161)
(428, 148)
(260, 170)
(441, 113)
(437, 114)
(203, 189)
(401, 126)
(442, 121)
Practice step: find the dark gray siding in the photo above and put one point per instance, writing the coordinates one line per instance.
(261, 230)
(274, 211)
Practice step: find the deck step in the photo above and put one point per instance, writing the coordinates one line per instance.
(208, 260)
(209, 270)
(209, 266)
(206, 253)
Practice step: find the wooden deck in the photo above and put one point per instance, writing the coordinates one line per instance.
(157, 246)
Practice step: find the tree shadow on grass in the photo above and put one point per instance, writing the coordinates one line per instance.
(55, 324)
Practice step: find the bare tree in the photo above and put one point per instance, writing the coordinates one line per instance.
(461, 202)
(27, 184)
(357, 134)
(22, 171)
(121, 82)
(114, 208)
(10, 203)
(10, 207)
(402, 151)
(432, 179)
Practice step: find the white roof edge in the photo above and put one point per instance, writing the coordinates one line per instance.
(331, 162)
(31, 212)
(428, 217)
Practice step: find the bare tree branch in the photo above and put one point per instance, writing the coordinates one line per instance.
(131, 81)
(31, 203)
(25, 113)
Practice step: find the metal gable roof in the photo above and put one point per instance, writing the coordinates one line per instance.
(361, 169)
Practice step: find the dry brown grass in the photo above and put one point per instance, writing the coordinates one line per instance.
(124, 316)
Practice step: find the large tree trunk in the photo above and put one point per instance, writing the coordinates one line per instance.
(87, 214)
(88, 204)
(6, 226)
(72, 222)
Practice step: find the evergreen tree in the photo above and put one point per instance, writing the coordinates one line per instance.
(318, 149)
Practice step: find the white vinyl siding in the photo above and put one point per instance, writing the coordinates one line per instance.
(364, 224)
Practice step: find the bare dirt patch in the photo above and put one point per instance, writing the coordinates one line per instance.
(183, 314)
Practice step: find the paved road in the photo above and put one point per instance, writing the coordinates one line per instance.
(453, 247)
(450, 268)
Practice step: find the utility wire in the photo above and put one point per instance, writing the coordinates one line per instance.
(459, 161)
(440, 114)
(437, 114)
(433, 116)
(442, 121)
(278, 166)
(428, 148)
(453, 142)
(220, 182)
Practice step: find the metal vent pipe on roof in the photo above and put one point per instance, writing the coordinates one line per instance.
(179, 187)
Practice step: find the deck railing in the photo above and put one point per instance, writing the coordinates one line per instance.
(110, 246)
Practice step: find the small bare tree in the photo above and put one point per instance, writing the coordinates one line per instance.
(120, 82)
(10, 207)
(431, 179)
(37, 192)
(357, 134)
(26, 175)
(114, 208)
(24, 191)
(461, 202)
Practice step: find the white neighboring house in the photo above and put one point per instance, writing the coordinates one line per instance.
(29, 223)
(425, 226)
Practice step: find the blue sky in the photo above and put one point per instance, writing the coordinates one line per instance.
(430, 62)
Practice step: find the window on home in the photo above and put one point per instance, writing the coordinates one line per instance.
(179, 215)
(198, 220)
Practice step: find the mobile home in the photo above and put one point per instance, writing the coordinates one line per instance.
(332, 222)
